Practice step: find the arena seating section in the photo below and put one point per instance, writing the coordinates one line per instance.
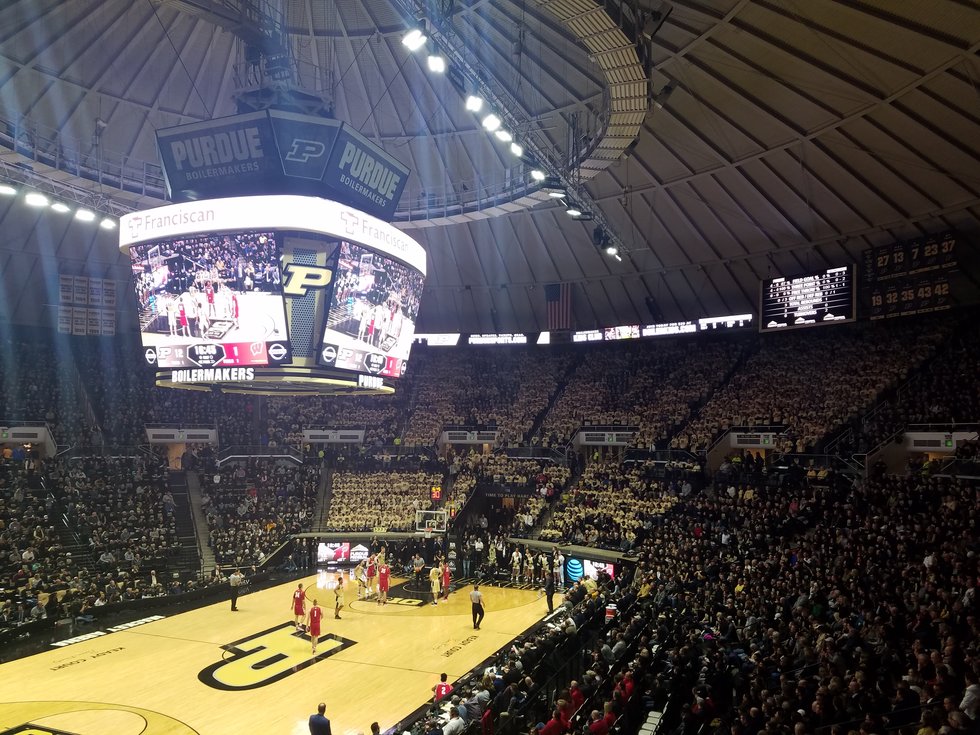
(811, 603)
(365, 500)
(255, 505)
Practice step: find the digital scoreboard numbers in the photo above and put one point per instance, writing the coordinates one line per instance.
(810, 300)
(916, 277)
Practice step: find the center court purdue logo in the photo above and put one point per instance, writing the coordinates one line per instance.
(267, 657)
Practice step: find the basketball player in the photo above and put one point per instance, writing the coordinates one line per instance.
(434, 583)
(559, 567)
(316, 614)
(338, 597)
(372, 572)
(172, 318)
(299, 606)
(476, 599)
(384, 580)
(365, 320)
(361, 579)
(515, 565)
(446, 577)
(209, 294)
(182, 316)
(234, 309)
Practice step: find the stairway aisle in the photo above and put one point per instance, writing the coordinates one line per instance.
(200, 521)
(324, 493)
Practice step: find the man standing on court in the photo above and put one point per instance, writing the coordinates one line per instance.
(316, 615)
(434, 582)
(549, 590)
(235, 581)
(384, 581)
(476, 598)
(299, 606)
(319, 724)
(338, 597)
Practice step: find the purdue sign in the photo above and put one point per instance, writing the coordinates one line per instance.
(276, 152)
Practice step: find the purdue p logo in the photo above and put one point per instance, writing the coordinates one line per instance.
(301, 278)
(267, 657)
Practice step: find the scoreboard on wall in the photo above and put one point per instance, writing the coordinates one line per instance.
(906, 278)
(826, 297)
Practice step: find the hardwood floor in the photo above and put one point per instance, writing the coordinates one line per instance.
(211, 671)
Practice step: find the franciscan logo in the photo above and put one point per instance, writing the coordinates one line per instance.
(267, 657)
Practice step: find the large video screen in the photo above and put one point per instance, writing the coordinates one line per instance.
(211, 300)
(806, 301)
(371, 317)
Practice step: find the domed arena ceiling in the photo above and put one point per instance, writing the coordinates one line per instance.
(772, 137)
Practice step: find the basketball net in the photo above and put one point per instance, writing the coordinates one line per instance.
(428, 532)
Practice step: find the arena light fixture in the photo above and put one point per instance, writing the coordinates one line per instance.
(437, 64)
(7, 190)
(537, 174)
(107, 224)
(573, 212)
(34, 199)
(504, 136)
(60, 207)
(474, 103)
(85, 215)
(612, 250)
(414, 39)
(553, 187)
(517, 149)
(491, 122)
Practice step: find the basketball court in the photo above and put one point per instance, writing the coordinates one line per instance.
(212, 671)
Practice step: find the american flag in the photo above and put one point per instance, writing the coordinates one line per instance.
(558, 297)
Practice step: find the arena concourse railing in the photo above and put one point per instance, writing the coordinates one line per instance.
(240, 451)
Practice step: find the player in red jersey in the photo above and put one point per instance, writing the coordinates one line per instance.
(183, 321)
(384, 580)
(209, 293)
(446, 577)
(372, 571)
(299, 605)
(316, 614)
(234, 309)
(443, 689)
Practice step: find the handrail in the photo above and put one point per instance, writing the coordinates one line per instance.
(179, 425)
(947, 428)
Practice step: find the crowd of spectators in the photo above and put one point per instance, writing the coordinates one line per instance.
(252, 506)
(39, 383)
(650, 385)
(380, 417)
(810, 384)
(523, 381)
(613, 505)
(369, 500)
(579, 673)
(119, 507)
(947, 391)
(827, 607)
(86, 533)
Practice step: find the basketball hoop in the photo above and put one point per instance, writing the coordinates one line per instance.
(428, 532)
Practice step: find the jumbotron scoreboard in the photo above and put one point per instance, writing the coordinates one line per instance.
(283, 294)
